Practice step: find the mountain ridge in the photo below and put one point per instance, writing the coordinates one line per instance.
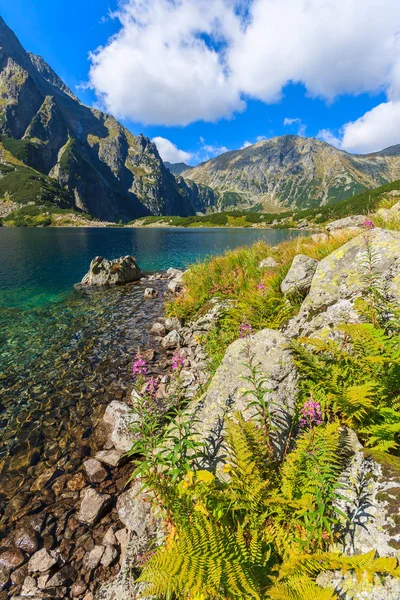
(106, 170)
(293, 172)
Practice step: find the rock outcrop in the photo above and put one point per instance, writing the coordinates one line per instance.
(341, 278)
(226, 392)
(300, 275)
(112, 272)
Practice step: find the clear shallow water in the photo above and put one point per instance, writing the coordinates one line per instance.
(65, 353)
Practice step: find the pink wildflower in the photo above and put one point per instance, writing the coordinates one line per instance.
(261, 287)
(139, 366)
(245, 329)
(152, 386)
(177, 361)
(311, 414)
(368, 224)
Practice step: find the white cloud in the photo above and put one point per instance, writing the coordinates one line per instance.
(300, 127)
(328, 136)
(170, 152)
(175, 62)
(259, 138)
(245, 144)
(207, 151)
(376, 130)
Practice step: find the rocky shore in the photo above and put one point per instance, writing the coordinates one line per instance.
(67, 531)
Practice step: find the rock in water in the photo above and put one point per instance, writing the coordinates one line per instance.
(112, 272)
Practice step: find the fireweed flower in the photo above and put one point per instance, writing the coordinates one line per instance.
(177, 361)
(311, 414)
(368, 224)
(152, 386)
(245, 329)
(261, 287)
(139, 366)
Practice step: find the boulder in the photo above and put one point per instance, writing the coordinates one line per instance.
(175, 286)
(226, 392)
(120, 417)
(150, 293)
(370, 497)
(112, 272)
(268, 263)
(300, 275)
(346, 223)
(41, 561)
(174, 273)
(134, 510)
(93, 506)
(340, 279)
(171, 340)
(94, 470)
(395, 210)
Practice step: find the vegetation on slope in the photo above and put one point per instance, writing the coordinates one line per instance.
(45, 216)
(268, 524)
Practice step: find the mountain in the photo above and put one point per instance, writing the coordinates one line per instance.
(292, 172)
(55, 149)
(177, 168)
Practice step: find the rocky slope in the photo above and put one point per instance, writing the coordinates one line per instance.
(177, 168)
(94, 163)
(293, 172)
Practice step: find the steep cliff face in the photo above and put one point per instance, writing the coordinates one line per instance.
(103, 168)
(293, 172)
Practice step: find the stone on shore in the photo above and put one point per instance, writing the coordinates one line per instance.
(11, 559)
(171, 340)
(158, 329)
(93, 506)
(346, 223)
(109, 457)
(173, 323)
(134, 510)
(112, 272)
(120, 417)
(94, 470)
(41, 561)
(300, 275)
(27, 540)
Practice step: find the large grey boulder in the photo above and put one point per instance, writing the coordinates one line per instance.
(112, 272)
(226, 392)
(120, 417)
(299, 277)
(340, 279)
(134, 511)
(346, 223)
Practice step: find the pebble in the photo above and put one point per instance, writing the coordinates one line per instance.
(41, 561)
(77, 482)
(94, 470)
(26, 540)
(11, 559)
(93, 506)
(93, 558)
(109, 457)
(110, 556)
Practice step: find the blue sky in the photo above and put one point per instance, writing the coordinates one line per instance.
(200, 79)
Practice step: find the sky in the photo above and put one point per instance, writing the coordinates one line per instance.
(200, 77)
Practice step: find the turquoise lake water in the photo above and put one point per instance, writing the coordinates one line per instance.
(38, 265)
(65, 352)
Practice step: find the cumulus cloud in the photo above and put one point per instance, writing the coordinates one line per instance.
(259, 138)
(170, 152)
(376, 130)
(245, 144)
(175, 62)
(300, 127)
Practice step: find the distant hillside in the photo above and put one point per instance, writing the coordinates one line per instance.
(93, 163)
(177, 168)
(293, 172)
